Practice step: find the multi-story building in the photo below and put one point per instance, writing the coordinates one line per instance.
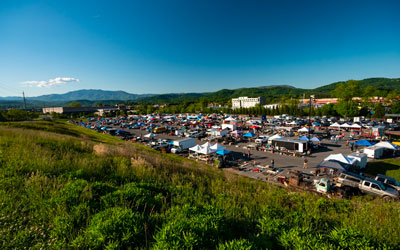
(245, 102)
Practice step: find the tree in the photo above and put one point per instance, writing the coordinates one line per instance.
(347, 90)
(379, 111)
(74, 104)
(395, 109)
(347, 108)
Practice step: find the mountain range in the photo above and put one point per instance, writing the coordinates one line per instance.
(89, 96)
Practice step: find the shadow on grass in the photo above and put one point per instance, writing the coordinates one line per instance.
(387, 167)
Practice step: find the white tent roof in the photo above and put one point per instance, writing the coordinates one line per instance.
(151, 135)
(230, 119)
(335, 125)
(196, 148)
(275, 137)
(206, 145)
(340, 158)
(386, 144)
(303, 129)
(355, 125)
(345, 125)
(205, 150)
(217, 147)
(292, 123)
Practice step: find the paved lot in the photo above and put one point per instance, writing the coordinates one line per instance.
(264, 158)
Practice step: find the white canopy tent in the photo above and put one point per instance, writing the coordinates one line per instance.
(230, 119)
(335, 125)
(206, 150)
(340, 158)
(275, 137)
(151, 135)
(303, 129)
(196, 148)
(217, 147)
(355, 125)
(387, 145)
(345, 125)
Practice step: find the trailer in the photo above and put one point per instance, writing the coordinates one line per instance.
(374, 152)
(182, 145)
(296, 145)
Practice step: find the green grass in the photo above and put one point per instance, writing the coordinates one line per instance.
(63, 186)
(389, 167)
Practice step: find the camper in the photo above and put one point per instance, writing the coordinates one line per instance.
(374, 152)
(361, 159)
(182, 145)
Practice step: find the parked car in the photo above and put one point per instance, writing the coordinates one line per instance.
(376, 188)
(193, 134)
(262, 139)
(389, 181)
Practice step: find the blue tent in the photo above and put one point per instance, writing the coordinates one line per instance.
(104, 128)
(304, 138)
(223, 152)
(317, 124)
(364, 143)
(249, 134)
(315, 139)
(120, 132)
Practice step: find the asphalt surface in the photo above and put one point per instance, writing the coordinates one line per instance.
(261, 158)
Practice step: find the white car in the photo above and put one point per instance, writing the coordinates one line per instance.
(262, 139)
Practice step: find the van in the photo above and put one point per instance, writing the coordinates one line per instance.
(158, 130)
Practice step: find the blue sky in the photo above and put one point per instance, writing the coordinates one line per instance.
(193, 46)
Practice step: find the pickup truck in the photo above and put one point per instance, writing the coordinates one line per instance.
(376, 188)
(349, 179)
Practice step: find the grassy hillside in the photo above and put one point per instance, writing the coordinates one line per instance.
(67, 187)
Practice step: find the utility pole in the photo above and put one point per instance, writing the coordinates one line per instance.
(26, 113)
(309, 117)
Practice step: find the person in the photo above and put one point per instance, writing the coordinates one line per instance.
(248, 155)
(305, 163)
(352, 147)
(272, 163)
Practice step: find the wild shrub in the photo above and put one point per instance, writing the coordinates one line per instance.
(241, 244)
(192, 228)
(113, 228)
(135, 196)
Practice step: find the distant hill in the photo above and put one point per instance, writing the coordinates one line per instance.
(272, 91)
(89, 94)
(379, 83)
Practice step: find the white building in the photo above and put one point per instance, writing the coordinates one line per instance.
(272, 106)
(245, 102)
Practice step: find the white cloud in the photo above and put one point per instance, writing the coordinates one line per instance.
(51, 82)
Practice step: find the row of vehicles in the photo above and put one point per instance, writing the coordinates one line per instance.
(380, 186)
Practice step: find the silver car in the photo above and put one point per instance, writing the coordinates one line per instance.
(376, 188)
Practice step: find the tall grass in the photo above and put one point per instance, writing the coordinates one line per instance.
(62, 186)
